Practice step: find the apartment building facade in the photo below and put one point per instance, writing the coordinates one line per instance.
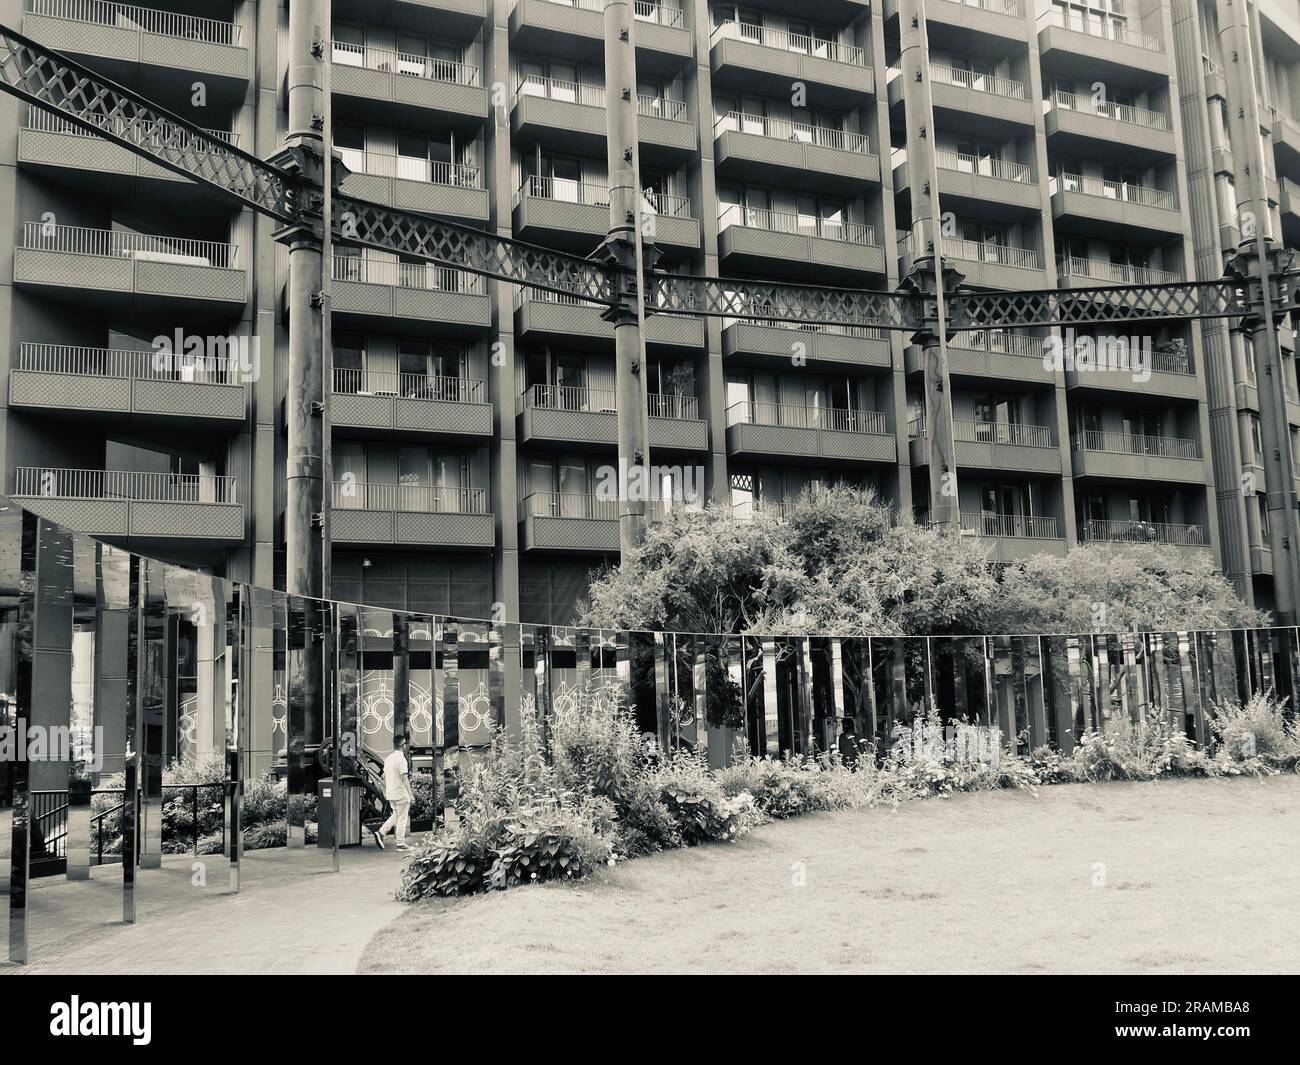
(1078, 144)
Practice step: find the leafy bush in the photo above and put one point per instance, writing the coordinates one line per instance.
(697, 803)
(1256, 734)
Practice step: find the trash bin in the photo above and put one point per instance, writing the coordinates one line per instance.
(350, 813)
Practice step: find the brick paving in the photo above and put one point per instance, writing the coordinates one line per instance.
(291, 915)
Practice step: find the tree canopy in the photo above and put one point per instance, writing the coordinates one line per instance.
(837, 562)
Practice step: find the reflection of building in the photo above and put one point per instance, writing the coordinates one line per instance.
(1079, 144)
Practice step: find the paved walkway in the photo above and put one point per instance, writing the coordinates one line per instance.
(291, 915)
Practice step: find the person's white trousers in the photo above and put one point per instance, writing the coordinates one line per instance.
(400, 819)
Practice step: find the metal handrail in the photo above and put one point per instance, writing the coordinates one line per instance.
(164, 134)
(412, 168)
(790, 222)
(62, 483)
(349, 381)
(965, 163)
(676, 406)
(426, 276)
(126, 363)
(418, 66)
(866, 332)
(1120, 273)
(1101, 26)
(1130, 113)
(990, 252)
(144, 19)
(783, 129)
(1114, 190)
(1128, 530)
(409, 498)
(570, 505)
(806, 416)
(661, 107)
(788, 42)
(1121, 443)
(1025, 526)
(115, 243)
(1004, 7)
(582, 192)
(1001, 343)
(991, 432)
(570, 397)
(971, 79)
(572, 92)
(648, 11)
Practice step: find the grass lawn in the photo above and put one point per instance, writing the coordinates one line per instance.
(1168, 876)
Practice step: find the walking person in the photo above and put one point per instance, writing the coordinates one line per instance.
(397, 790)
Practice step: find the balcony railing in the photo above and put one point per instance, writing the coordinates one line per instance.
(866, 332)
(60, 483)
(649, 11)
(1002, 7)
(115, 243)
(679, 407)
(1121, 443)
(565, 191)
(571, 92)
(1138, 116)
(524, 294)
(990, 252)
(410, 498)
(570, 505)
(424, 276)
(1006, 169)
(415, 66)
(354, 382)
(1031, 526)
(970, 79)
(783, 129)
(570, 397)
(1171, 359)
(791, 222)
(789, 42)
(662, 107)
(1000, 343)
(802, 416)
(1143, 532)
(162, 134)
(412, 168)
(124, 363)
(1119, 273)
(1096, 24)
(987, 432)
(1114, 190)
(147, 19)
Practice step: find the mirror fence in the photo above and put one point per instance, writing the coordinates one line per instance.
(140, 702)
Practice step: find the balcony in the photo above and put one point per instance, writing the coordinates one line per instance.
(990, 265)
(1013, 537)
(453, 190)
(569, 521)
(144, 387)
(587, 418)
(1127, 531)
(757, 429)
(988, 356)
(756, 58)
(1118, 133)
(123, 505)
(130, 271)
(407, 403)
(574, 216)
(568, 116)
(458, 19)
(994, 18)
(156, 52)
(1115, 210)
(411, 514)
(1289, 205)
(997, 189)
(1163, 370)
(374, 291)
(775, 341)
(1286, 144)
(1094, 47)
(767, 242)
(1074, 272)
(550, 318)
(384, 85)
(576, 29)
(1136, 457)
(986, 445)
(51, 144)
(794, 154)
(978, 104)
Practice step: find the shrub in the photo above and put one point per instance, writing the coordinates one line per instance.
(696, 801)
(1255, 733)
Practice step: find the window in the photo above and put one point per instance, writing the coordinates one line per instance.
(349, 363)
(811, 38)
(349, 44)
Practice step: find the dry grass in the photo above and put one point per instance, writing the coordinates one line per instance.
(1200, 876)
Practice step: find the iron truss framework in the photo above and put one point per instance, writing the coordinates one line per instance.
(49, 80)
